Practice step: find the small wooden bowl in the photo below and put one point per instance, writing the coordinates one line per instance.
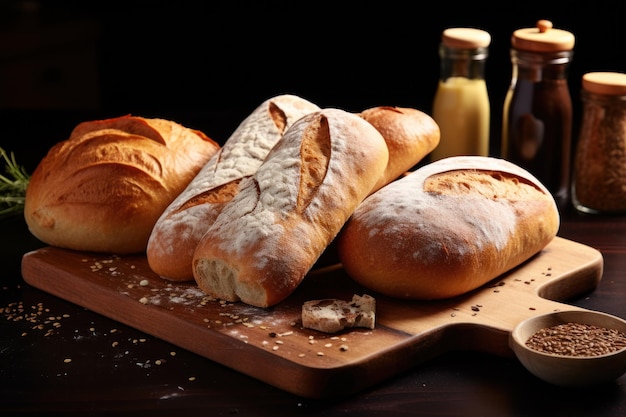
(569, 371)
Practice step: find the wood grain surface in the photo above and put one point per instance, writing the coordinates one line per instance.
(271, 344)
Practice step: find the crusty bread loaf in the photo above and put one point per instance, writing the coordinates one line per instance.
(270, 234)
(447, 228)
(409, 133)
(332, 315)
(104, 187)
(188, 217)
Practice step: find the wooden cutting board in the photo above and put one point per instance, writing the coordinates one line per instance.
(271, 345)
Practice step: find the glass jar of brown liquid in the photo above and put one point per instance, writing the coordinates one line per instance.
(537, 113)
(599, 184)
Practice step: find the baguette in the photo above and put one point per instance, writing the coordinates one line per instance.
(182, 224)
(270, 234)
(447, 228)
(103, 188)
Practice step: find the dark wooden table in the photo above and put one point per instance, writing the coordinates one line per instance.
(115, 369)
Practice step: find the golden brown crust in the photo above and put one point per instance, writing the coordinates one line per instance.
(104, 187)
(447, 228)
(409, 133)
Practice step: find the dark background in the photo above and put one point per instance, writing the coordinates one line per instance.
(208, 64)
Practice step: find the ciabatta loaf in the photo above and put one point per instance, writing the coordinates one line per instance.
(447, 228)
(104, 187)
(270, 234)
(182, 224)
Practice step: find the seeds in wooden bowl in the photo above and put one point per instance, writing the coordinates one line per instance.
(577, 339)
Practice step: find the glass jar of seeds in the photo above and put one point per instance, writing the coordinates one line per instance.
(599, 184)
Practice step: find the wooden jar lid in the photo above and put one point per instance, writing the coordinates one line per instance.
(542, 38)
(465, 38)
(608, 83)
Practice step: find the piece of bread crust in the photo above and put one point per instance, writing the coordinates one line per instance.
(333, 315)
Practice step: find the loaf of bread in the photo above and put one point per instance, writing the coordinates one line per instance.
(270, 234)
(333, 315)
(182, 224)
(447, 228)
(409, 133)
(104, 187)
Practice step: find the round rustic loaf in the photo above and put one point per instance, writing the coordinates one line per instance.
(103, 188)
(447, 228)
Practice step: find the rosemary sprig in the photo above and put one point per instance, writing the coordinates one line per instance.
(12, 186)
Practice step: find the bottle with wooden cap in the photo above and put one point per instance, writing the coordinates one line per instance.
(599, 184)
(537, 113)
(461, 105)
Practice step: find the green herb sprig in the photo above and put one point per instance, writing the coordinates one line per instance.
(12, 186)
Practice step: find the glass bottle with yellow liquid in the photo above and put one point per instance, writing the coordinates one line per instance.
(461, 106)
